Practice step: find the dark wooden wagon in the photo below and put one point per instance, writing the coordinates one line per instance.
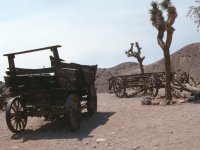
(63, 89)
(131, 85)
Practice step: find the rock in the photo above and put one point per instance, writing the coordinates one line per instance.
(14, 147)
(183, 101)
(168, 102)
(101, 140)
(155, 102)
(108, 145)
(135, 147)
(162, 104)
(191, 98)
(86, 143)
(146, 100)
(94, 146)
(173, 102)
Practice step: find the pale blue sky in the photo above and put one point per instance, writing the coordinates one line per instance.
(90, 31)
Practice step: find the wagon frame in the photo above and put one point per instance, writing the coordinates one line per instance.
(143, 84)
(64, 89)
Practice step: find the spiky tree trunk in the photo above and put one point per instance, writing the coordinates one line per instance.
(141, 66)
(168, 87)
(131, 53)
(163, 26)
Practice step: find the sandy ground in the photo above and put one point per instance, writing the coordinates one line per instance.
(120, 124)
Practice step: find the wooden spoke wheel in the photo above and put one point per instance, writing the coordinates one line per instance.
(92, 101)
(151, 87)
(119, 87)
(73, 112)
(141, 88)
(16, 117)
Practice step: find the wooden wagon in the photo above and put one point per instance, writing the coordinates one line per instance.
(131, 85)
(63, 89)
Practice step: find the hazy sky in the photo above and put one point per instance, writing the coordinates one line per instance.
(90, 31)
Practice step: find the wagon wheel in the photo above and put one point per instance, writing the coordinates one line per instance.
(141, 88)
(137, 90)
(151, 87)
(73, 112)
(92, 100)
(119, 88)
(16, 117)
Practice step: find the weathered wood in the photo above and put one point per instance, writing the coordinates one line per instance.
(78, 66)
(44, 91)
(23, 71)
(30, 82)
(186, 87)
(2, 85)
(32, 50)
(140, 83)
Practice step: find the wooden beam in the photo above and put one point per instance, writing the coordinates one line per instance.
(22, 71)
(33, 50)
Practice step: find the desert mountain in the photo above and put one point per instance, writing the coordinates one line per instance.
(187, 59)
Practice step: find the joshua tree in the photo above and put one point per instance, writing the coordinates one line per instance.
(194, 12)
(163, 26)
(131, 53)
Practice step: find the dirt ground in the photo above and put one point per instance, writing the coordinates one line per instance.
(120, 124)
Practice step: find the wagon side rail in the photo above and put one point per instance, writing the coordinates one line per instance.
(75, 76)
(23, 71)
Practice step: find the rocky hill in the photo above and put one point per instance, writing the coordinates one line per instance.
(187, 59)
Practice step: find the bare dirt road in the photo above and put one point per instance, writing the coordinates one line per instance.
(120, 124)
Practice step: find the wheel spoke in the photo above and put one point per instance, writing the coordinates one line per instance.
(14, 124)
(12, 116)
(118, 87)
(13, 108)
(20, 127)
(18, 105)
(17, 125)
(23, 122)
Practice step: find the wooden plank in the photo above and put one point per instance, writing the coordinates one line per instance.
(21, 71)
(77, 66)
(32, 50)
(31, 81)
(2, 85)
(86, 73)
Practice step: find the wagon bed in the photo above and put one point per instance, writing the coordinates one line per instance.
(61, 90)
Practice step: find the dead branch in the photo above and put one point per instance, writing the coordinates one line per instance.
(186, 87)
(136, 54)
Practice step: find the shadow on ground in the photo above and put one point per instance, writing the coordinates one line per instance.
(58, 129)
(195, 101)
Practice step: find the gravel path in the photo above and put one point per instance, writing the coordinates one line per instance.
(120, 124)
